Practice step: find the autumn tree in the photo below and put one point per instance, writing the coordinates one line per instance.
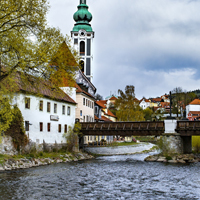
(178, 100)
(28, 45)
(6, 114)
(127, 105)
(148, 112)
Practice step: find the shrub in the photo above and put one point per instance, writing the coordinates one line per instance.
(72, 137)
(16, 130)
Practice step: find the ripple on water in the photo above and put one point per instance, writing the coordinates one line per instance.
(110, 177)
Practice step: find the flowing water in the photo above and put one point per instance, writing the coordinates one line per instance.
(109, 177)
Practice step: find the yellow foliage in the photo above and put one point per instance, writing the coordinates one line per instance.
(28, 45)
(196, 143)
(127, 105)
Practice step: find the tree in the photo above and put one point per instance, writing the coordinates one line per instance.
(148, 113)
(29, 46)
(16, 129)
(26, 42)
(98, 97)
(6, 114)
(72, 137)
(127, 105)
(178, 99)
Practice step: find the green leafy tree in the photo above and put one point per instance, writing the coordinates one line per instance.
(127, 105)
(148, 114)
(16, 129)
(72, 137)
(6, 114)
(28, 45)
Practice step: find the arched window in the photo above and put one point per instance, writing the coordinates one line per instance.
(81, 64)
(82, 48)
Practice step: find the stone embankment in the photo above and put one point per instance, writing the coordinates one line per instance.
(23, 163)
(185, 158)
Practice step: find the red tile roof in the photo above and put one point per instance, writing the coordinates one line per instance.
(102, 103)
(41, 87)
(157, 99)
(195, 112)
(113, 98)
(105, 119)
(96, 118)
(79, 90)
(165, 104)
(195, 102)
(109, 113)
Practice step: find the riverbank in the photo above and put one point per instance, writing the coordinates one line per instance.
(184, 158)
(8, 163)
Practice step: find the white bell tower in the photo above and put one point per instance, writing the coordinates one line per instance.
(82, 38)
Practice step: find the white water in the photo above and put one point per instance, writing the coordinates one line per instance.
(119, 150)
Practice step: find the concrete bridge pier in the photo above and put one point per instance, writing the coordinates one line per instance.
(173, 142)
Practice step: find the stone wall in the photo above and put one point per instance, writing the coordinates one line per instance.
(6, 146)
(172, 144)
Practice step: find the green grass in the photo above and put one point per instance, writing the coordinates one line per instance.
(196, 143)
(145, 138)
(43, 155)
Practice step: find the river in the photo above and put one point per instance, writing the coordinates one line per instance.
(108, 177)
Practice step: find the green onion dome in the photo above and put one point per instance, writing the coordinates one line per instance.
(82, 17)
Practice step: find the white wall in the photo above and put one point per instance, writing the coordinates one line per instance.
(86, 110)
(34, 116)
(192, 108)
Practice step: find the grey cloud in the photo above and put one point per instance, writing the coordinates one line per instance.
(139, 42)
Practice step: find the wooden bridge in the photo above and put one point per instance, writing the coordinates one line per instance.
(123, 128)
(157, 128)
(188, 128)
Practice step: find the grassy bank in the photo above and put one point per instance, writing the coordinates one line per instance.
(40, 155)
(196, 144)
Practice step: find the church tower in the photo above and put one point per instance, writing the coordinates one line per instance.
(82, 37)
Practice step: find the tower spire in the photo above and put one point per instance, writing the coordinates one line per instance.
(82, 1)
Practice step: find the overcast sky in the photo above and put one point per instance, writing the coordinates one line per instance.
(151, 44)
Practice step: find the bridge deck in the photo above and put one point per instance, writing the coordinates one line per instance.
(123, 128)
(188, 128)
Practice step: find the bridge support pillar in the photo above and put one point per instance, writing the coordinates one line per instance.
(81, 142)
(174, 143)
(187, 144)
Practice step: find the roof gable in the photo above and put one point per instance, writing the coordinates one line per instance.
(195, 102)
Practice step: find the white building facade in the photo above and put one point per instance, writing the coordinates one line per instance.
(46, 119)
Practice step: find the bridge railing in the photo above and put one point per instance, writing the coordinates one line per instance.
(125, 128)
(188, 127)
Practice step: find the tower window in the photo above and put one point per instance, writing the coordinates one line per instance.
(82, 48)
(88, 47)
(88, 72)
(75, 41)
(81, 64)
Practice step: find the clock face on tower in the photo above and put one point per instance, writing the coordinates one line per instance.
(82, 32)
